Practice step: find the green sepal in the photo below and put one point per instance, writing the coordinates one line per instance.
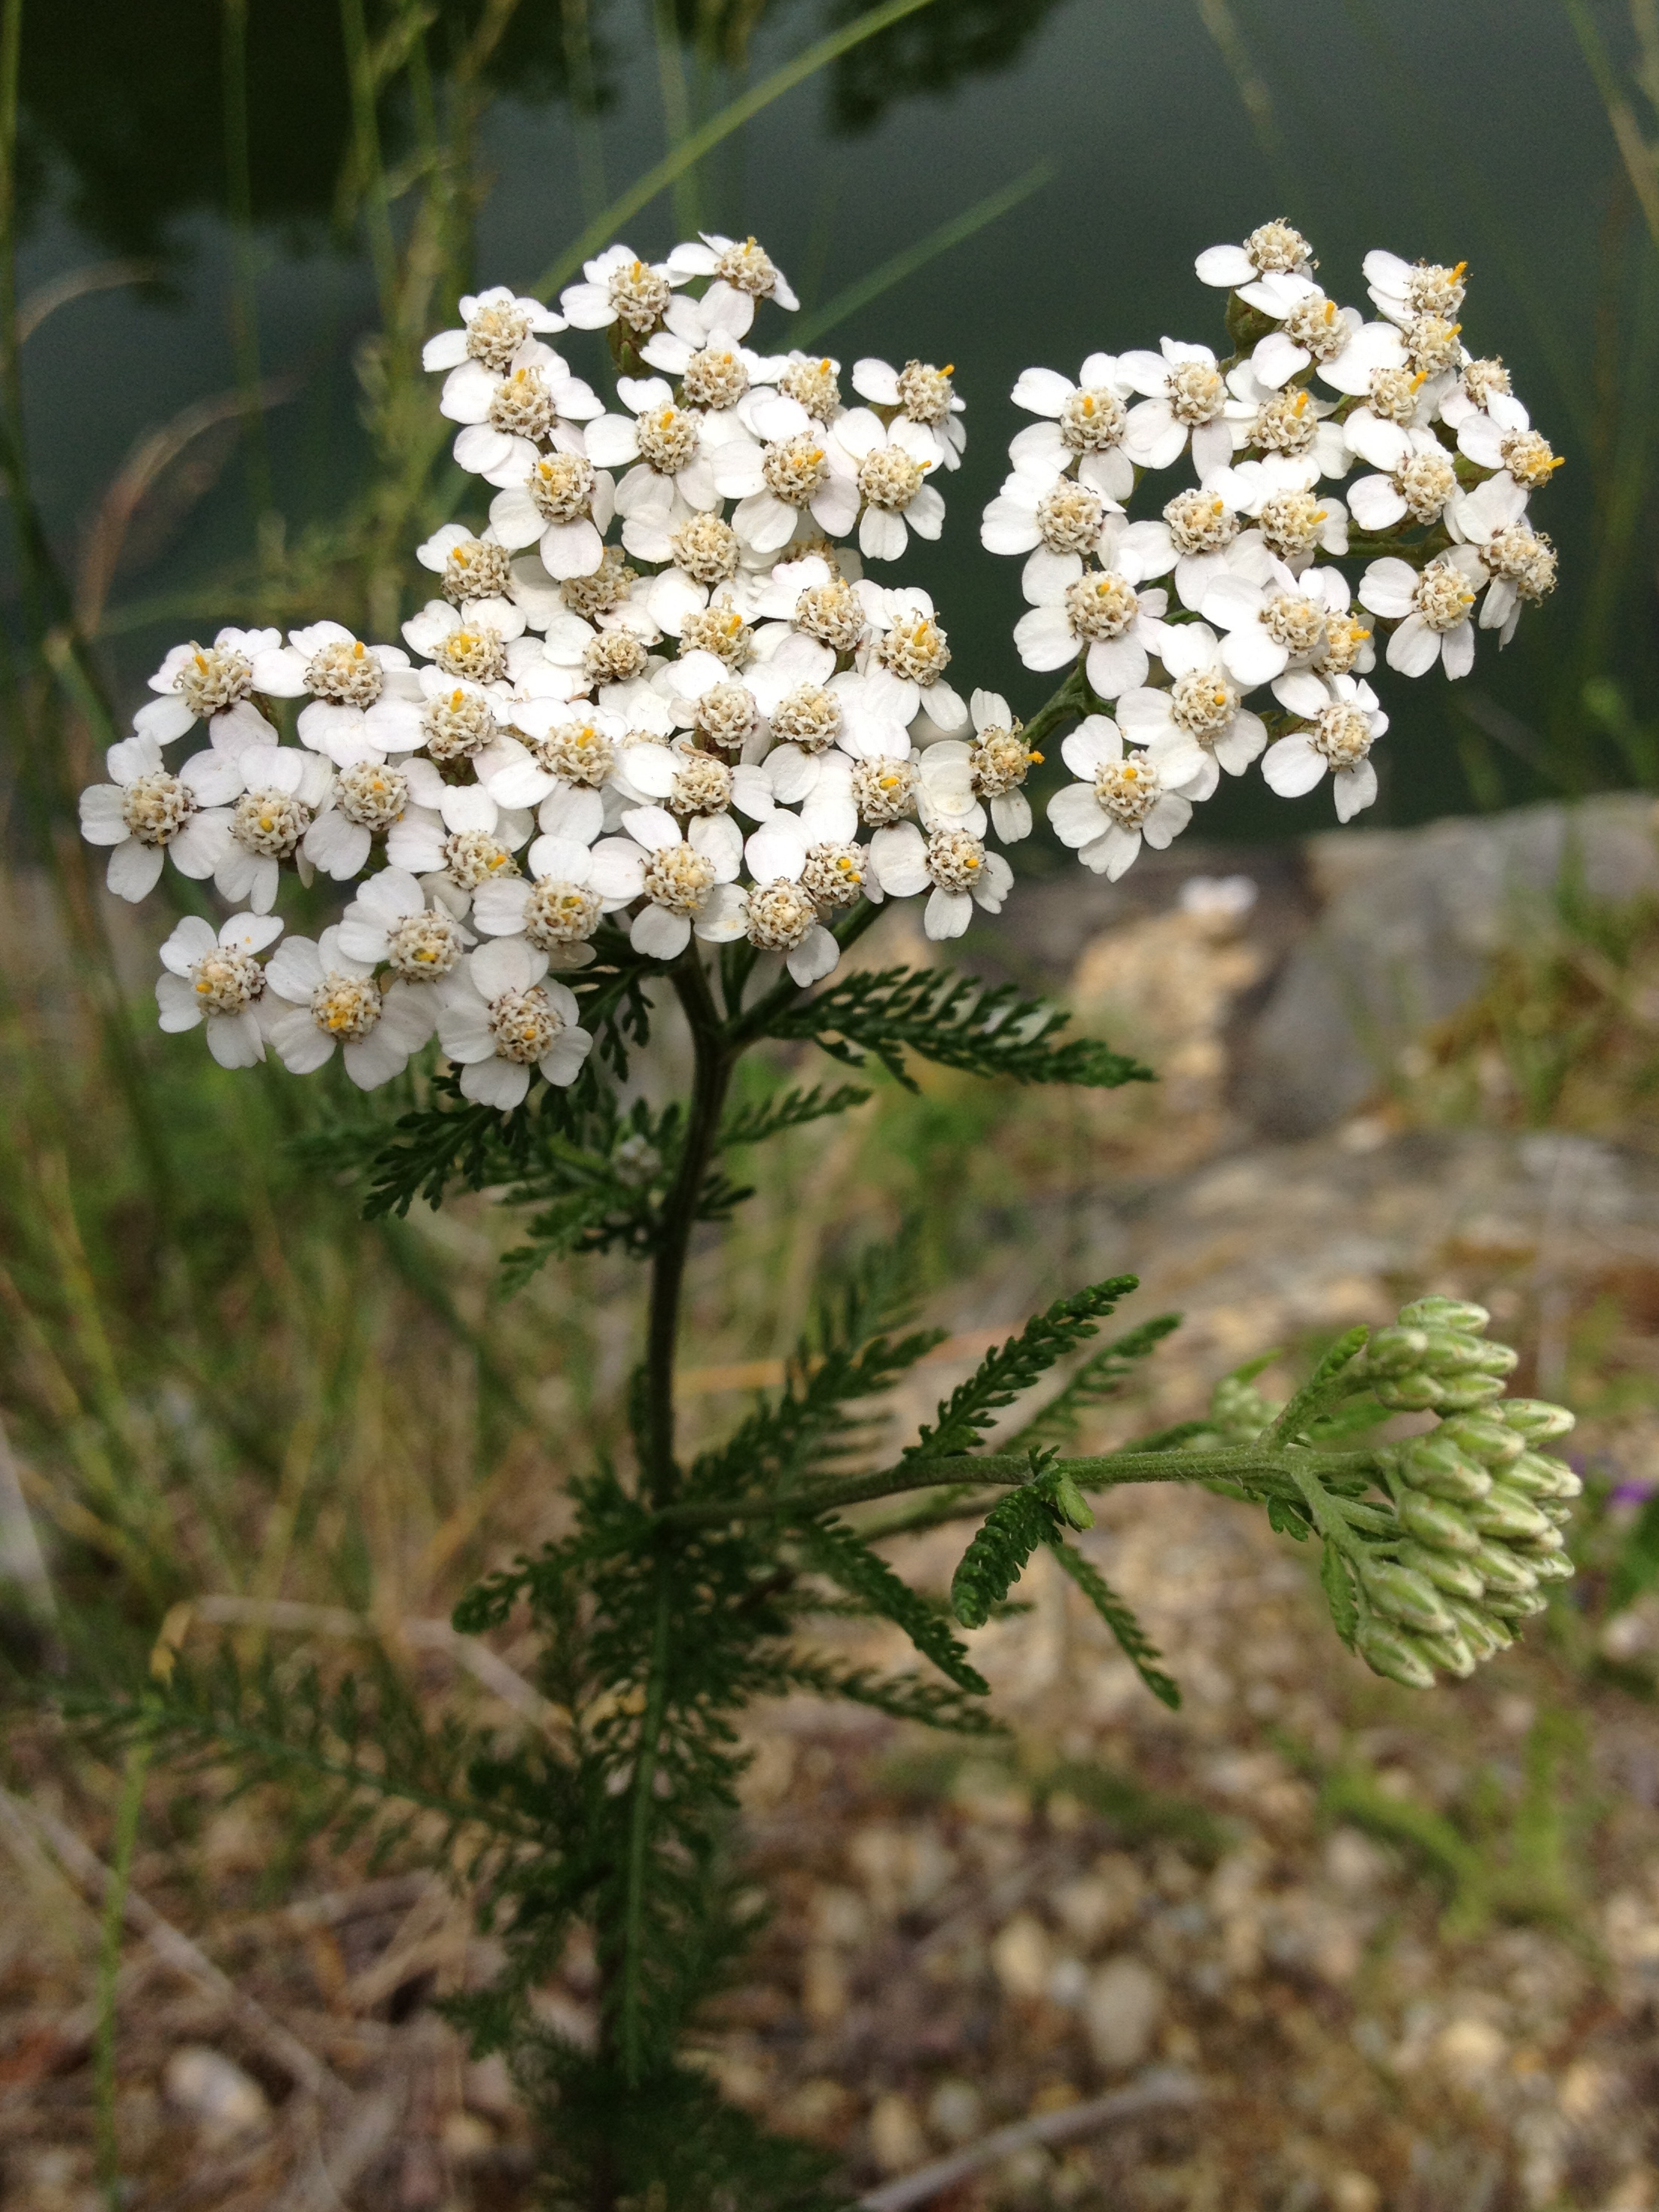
(1335, 1580)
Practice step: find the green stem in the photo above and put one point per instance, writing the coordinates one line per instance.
(642, 1796)
(109, 1967)
(366, 156)
(244, 296)
(11, 383)
(1252, 1465)
(1071, 697)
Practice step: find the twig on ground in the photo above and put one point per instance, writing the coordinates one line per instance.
(1158, 2092)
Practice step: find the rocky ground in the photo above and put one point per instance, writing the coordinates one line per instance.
(1405, 1947)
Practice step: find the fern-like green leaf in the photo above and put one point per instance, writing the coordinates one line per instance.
(957, 1022)
(834, 1549)
(1136, 1647)
(790, 1110)
(1101, 1375)
(901, 1697)
(996, 1559)
(1012, 1367)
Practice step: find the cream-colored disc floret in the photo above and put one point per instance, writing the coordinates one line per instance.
(883, 791)
(560, 487)
(604, 591)
(472, 857)
(213, 677)
(1395, 393)
(1522, 556)
(226, 981)
(557, 913)
(475, 570)
(956, 860)
(1444, 595)
(371, 793)
(615, 656)
(808, 716)
(1277, 248)
(715, 377)
(1318, 326)
(578, 751)
(1200, 521)
(456, 724)
(1069, 516)
(347, 675)
(1342, 646)
(495, 334)
(679, 878)
(1194, 391)
(795, 470)
(1294, 620)
(345, 1007)
(1485, 380)
(1434, 289)
(521, 405)
(726, 716)
(706, 549)
(1127, 790)
(1433, 345)
(419, 947)
(669, 439)
(915, 649)
(1203, 703)
(1425, 481)
(1101, 604)
(269, 822)
(889, 479)
(155, 808)
(476, 652)
(748, 268)
(702, 786)
(1092, 419)
(926, 393)
(999, 760)
(812, 385)
(1286, 423)
(720, 629)
(1290, 523)
(833, 613)
(780, 915)
(524, 1024)
(1341, 733)
(1529, 458)
(639, 295)
(833, 874)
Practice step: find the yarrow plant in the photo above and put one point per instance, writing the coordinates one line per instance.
(669, 732)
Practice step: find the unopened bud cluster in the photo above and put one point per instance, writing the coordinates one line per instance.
(1480, 1508)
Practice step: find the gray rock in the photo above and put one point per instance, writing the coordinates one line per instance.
(1410, 919)
(1121, 2008)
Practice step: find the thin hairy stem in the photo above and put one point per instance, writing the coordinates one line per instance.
(1267, 1471)
(639, 1834)
(244, 296)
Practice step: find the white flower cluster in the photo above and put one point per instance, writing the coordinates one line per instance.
(1313, 391)
(658, 685)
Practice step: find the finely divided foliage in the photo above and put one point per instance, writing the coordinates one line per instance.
(659, 744)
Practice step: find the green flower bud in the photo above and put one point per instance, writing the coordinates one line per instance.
(1444, 1313)
(1414, 1392)
(1395, 1351)
(1505, 1513)
(1504, 1572)
(1552, 1566)
(1542, 1476)
(1536, 1418)
(1435, 1464)
(1452, 1652)
(1556, 1511)
(1074, 1507)
(1481, 1437)
(1462, 1393)
(1406, 1596)
(1434, 1523)
(1455, 1575)
(1484, 1635)
(1520, 1606)
(1543, 1546)
(1450, 1353)
(1498, 1360)
(1395, 1652)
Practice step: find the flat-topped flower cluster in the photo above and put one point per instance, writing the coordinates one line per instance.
(657, 684)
